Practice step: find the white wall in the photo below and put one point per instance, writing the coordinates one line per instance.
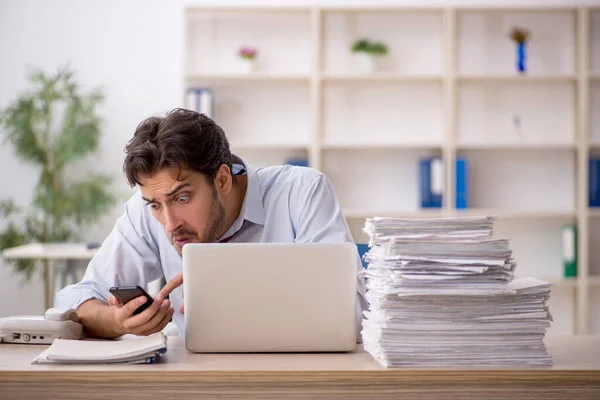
(129, 48)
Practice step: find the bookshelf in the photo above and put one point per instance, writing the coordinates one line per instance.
(448, 88)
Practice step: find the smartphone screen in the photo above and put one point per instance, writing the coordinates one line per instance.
(127, 293)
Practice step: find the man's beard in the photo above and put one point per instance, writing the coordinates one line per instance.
(215, 226)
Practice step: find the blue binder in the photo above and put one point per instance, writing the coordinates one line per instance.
(431, 181)
(462, 200)
(594, 182)
(299, 162)
(362, 250)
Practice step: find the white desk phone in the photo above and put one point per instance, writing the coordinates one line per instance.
(33, 329)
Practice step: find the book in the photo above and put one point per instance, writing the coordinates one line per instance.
(137, 350)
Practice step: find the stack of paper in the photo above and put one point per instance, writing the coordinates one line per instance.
(141, 350)
(441, 293)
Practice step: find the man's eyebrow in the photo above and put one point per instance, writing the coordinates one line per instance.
(172, 192)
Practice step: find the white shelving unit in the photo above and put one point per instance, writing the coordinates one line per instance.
(449, 88)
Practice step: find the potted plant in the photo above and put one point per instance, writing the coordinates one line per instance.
(248, 57)
(52, 126)
(520, 37)
(366, 52)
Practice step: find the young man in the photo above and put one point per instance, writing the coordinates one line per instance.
(192, 189)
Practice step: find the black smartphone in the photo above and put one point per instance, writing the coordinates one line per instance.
(127, 293)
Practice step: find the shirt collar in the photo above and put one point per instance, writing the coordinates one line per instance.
(252, 207)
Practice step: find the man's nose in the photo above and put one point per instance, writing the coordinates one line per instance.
(172, 221)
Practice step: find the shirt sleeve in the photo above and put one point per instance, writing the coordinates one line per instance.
(128, 256)
(321, 220)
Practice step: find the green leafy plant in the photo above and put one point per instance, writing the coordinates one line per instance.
(367, 46)
(51, 126)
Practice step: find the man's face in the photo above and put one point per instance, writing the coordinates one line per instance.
(190, 209)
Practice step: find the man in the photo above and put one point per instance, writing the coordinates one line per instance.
(192, 189)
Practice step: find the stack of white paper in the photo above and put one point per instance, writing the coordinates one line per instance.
(140, 350)
(441, 293)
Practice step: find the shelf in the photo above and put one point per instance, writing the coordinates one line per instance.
(363, 214)
(516, 214)
(594, 212)
(593, 280)
(438, 213)
(209, 78)
(239, 9)
(561, 282)
(381, 77)
(516, 78)
(382, 146)
(516, 146)
(267, 146)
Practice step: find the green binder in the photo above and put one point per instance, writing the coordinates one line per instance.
(569, 250)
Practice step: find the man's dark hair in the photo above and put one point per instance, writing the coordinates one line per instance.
(183, 138)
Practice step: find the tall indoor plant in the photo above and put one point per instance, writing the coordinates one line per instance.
(52, 125)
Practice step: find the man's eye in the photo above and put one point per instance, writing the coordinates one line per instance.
(154, 206)
(183, 199)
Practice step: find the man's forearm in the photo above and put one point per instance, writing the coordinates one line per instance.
(95, 317)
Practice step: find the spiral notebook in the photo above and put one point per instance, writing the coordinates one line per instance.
(138, 350)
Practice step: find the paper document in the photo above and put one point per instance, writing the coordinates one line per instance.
(441, 292)
(144, 350)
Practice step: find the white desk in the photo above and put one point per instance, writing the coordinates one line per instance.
(63, 256)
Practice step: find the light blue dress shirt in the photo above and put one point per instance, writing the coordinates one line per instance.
(282, 204)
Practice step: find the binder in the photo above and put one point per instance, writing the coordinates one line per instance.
(594, 181)
(431, 178)
(432, 182)
(200, 100)
(363, 248)
(461, 184)
(569, 250)
(299, 162)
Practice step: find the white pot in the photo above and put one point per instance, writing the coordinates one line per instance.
(365, 63)
(247, 66)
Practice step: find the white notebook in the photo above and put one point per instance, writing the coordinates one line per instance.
(139, 350)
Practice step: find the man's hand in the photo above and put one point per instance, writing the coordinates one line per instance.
(151, 320)
(169, 287)
(101, 320)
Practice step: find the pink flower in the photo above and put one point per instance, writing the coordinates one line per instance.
(247, 53)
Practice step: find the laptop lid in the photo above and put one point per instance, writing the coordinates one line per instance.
(270, 297)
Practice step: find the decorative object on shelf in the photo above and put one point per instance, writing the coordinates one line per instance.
(366, 52)
(200, 100)
(248, 57)
(520, 36)
(52, 126)
(432, 178)
(569, 250)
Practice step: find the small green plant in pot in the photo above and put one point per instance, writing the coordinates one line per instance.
(367, 51)
(51, 126)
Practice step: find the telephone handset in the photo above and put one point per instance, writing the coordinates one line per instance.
(34, 329)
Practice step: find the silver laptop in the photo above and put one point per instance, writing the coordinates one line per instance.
(270, 297)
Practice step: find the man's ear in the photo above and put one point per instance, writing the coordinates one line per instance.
(223, 180)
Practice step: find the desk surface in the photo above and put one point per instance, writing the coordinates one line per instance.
(50, 251)
(576, 372)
